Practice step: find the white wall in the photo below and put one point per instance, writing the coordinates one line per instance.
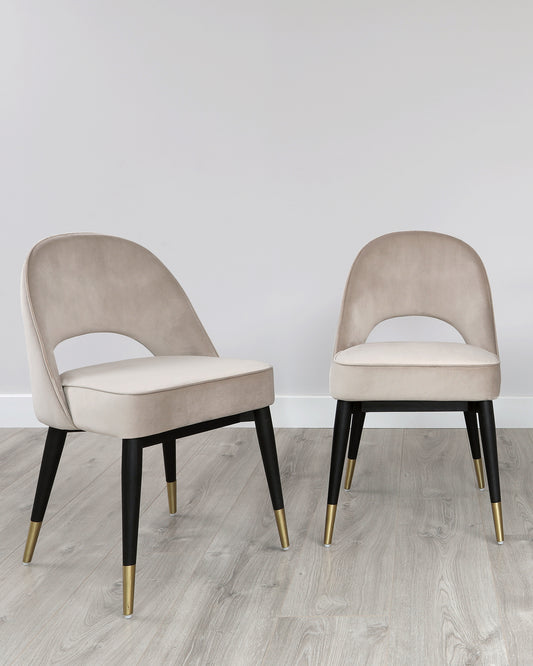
(256, 146)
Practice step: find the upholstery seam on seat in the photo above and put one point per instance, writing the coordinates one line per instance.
(417, 365)
(173, 388)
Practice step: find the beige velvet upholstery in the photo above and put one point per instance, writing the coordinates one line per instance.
(416, 273)
(87, 283)
(138, 397)
(426, 274)
(415, 371)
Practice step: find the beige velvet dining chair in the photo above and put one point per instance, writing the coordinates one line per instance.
(77, 284)
(426, 274)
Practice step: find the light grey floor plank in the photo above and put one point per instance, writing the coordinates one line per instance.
(84, 458)
(437, 463)
(343, 579)
(5, 433)
(90, 628)
(413, 576)
(445, 609)
(512, 562)
(331, 641)
(72, 543)
(20, 451)
(512, 568)
(226, 617)
(515, 453)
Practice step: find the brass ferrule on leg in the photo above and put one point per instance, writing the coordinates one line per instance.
(478, 465)
(128, 589)
(498, 522)
(330, 522)
(33, 535)
(282, 528)
(172, 498)
(349, 474)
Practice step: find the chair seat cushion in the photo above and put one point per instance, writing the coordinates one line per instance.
(415, 371)
(145, 396)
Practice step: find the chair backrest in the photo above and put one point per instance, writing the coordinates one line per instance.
(88, 283)
(417, 273)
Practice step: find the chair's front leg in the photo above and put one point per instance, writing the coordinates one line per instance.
(490, 452)
(267, 446)
(132, 456)
(169, 457)
(338, 452)
(53, 448)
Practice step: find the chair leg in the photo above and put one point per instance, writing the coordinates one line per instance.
(53, 448)
(132, 455)
(267, 446)
(338, 453)
(473, 438)
(169, 457)
(490, 452)
(358, 421)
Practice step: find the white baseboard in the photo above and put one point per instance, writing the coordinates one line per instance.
(16, 411)
(316, 411)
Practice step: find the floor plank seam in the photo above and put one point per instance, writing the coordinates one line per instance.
(102, 558)
(425, 595)
(482, 498)
(389, 647)
(175, 605)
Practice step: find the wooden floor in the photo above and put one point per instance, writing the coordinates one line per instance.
(414, 575)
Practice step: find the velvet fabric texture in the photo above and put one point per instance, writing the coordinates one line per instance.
(426, 274)
(142, 396)
(88, 283)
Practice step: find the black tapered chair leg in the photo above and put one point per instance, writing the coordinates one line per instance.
(267, 446)
(132, 455)
(358, 421)
(341, 429)
(169, 457)
(473, 438)
(53, 448)
(490, 452)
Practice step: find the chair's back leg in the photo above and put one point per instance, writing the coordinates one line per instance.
(341, 429)
(473, 438)
(490, 451)
(169, 457)
(53, 448)
(132, 456)
(267, 446)
(358, 421)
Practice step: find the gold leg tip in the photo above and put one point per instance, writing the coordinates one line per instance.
(281, 522)
(330, 522)
(128, 589)
(172, 498)
(478, 466)
(33, 534)
(498, 522)
(349, 474)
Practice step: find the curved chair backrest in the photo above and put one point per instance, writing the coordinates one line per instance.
(88, 283)
(417, 273)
